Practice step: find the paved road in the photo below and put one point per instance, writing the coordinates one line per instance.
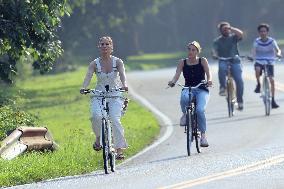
(246, 151)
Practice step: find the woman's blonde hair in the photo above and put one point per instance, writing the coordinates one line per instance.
(196, 44)
(108, 38)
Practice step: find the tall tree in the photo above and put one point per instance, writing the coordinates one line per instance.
(28, 29)
(120, 19)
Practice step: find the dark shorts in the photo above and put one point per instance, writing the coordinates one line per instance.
(270, 70)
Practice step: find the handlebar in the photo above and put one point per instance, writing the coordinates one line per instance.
(194, 87)
(278, 59)
(86, 91)
(237, 56)
(106, 93)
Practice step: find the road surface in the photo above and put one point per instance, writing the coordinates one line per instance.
(246, 151)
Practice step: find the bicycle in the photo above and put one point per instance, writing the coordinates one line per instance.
(109, 154)
(191, 127)
(265, 93)
(265, 87)
(230, 86)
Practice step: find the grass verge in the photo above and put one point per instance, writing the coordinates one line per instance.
(55, 99)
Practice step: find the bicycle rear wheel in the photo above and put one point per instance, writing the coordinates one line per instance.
(230, 97)
(188, 132)
(105, 145)
(196, 137)
(266, 96)
(112, 161)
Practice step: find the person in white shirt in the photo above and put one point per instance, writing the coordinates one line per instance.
(265, 51)
(109, 71)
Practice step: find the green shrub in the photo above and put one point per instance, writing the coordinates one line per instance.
(11, 118)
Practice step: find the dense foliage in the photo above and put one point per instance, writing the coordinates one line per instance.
(11, 118)
(143, 26)
(28, 29)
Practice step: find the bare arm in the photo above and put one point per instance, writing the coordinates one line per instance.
(122, 75)
(177, 74)
(278, 52)
(206, 68)
(89, 75)
(238, 32)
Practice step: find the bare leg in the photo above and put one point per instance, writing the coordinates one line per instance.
(272, 86)
(257, 74)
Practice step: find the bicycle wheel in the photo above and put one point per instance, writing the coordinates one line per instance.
(266, 96)
(188, 132)
(230, 97)
(111, 151)
(112, 161)
(195, 133)
(105, 145)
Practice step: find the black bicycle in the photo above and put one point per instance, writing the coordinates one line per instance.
(109, 154)
(191, 127)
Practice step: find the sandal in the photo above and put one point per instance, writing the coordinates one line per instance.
(120, 156)
(97, 147)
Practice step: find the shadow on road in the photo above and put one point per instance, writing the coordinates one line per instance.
(237, 119)
(169, 159)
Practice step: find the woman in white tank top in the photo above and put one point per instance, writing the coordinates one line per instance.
(109, 71)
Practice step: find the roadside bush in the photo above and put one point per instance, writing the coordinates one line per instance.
(11, 118)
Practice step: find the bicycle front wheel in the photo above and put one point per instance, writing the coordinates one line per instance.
(105, 145)
(188, 133)
(266, 96)
(230, 97)
(112, 161)
(195, 133)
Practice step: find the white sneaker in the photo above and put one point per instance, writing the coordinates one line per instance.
(182, 121)
(204, 142)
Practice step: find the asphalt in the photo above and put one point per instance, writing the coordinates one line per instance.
(246, 151)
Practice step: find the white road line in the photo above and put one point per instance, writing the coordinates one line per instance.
(163, 117)
(238, 171)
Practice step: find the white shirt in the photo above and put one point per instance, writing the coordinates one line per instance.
(265, 50)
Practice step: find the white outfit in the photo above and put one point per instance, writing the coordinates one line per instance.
(115, 104)
(265, 50)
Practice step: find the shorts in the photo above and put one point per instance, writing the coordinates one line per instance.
(270, 69)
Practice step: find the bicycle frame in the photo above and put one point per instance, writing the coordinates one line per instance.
(106, 130)
(266, 95)
(266, 92)
(191, 128)
(231, 92)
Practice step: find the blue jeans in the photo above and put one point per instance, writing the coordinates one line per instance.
(202, 98)
(236, 70)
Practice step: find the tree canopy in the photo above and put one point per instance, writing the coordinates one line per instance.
(28, 29)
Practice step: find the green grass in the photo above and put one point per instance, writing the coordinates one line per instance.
(55, 99)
